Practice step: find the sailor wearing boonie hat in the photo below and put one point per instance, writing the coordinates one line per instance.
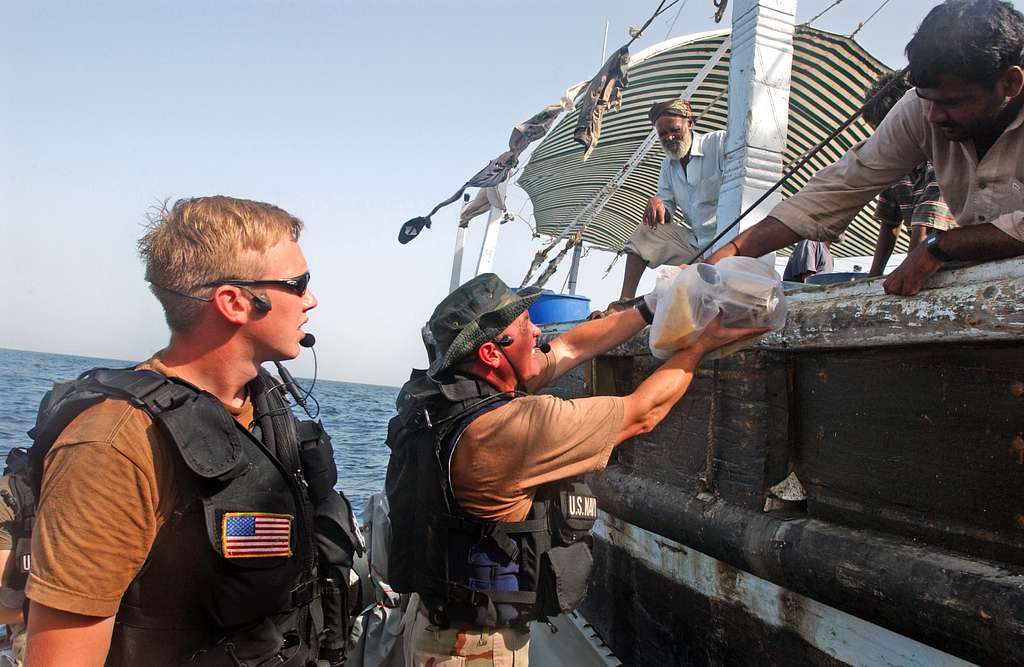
(488, 510)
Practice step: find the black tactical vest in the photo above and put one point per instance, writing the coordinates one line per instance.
(479, 572)
(231, 575)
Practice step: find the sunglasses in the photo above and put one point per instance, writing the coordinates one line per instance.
(298, 284)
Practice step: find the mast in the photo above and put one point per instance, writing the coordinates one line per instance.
(760, 71)
(490, 243)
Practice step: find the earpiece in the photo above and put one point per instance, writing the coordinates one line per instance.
(259, 302)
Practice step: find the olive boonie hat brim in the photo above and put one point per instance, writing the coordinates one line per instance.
(474, 314)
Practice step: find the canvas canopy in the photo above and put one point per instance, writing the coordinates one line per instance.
(830, 75)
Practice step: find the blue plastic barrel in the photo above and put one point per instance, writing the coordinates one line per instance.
(550, 307)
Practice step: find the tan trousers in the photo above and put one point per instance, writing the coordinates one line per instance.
(429, 647)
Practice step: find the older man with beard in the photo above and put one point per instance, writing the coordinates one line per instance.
(691, 175)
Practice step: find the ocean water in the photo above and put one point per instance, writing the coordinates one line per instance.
(355, 415)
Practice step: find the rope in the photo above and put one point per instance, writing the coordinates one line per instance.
(823, 12)
(672, 26)
(635, 34)
(865, 21)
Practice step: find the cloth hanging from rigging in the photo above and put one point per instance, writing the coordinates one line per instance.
(604, 93)
(484, 201)
(498, 169)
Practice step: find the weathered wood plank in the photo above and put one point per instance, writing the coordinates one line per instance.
(921, 441)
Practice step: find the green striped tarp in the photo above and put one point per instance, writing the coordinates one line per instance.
(830, 74)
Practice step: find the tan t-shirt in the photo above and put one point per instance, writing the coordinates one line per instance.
(505, 454)
(109, 484)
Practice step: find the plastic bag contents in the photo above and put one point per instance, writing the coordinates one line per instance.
(745, 290)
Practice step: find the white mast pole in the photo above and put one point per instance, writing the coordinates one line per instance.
(460, 246)
(490, 244)
(760, 71)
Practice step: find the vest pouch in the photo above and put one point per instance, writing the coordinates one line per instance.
(575, 511)
(260, 646)
(317, 457)
(564, 573)
(248, 584)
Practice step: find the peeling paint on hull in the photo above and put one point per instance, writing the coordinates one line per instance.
(841, 636)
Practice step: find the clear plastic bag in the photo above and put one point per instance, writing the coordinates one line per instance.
(745, 290)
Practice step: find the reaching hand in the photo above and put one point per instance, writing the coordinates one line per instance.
(908, 278)
(655, 213)
(715, 335)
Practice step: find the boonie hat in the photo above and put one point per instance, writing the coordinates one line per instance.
(473, 314)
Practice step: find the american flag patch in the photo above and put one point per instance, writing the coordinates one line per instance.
(256, 535)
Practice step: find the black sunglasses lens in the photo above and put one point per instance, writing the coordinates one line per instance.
(301, 283)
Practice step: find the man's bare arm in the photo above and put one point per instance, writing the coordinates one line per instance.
(974, 243)
(585, 341)
(884, 245)
(62, 639)
(764, 237)
(979, 243)
(8, 616)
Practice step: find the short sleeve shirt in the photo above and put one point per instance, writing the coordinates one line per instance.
(506, 454)
(109, 484)
(915, 200)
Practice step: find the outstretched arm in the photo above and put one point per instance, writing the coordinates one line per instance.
(974, 243)
(650, 403)
(884, 245)
(61, 639)
(589, 339)
(764, 237)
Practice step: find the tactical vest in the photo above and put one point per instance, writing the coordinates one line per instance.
(232, 575)
(484, 573)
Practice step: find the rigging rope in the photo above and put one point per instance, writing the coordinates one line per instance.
(672, 26)
(865, 21)
(636, 34)
(823, 12)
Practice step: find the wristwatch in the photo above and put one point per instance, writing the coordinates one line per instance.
(645, 310)
(931, 243)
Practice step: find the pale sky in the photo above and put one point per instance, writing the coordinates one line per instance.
(354, 116)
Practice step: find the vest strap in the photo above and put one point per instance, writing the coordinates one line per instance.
(471, 597)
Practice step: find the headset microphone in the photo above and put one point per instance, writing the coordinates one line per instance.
(544, 348)
(292, 387)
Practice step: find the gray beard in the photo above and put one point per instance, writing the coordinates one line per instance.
(678, 149)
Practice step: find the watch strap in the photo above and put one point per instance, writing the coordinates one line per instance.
(645, 311)
(931, 242)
